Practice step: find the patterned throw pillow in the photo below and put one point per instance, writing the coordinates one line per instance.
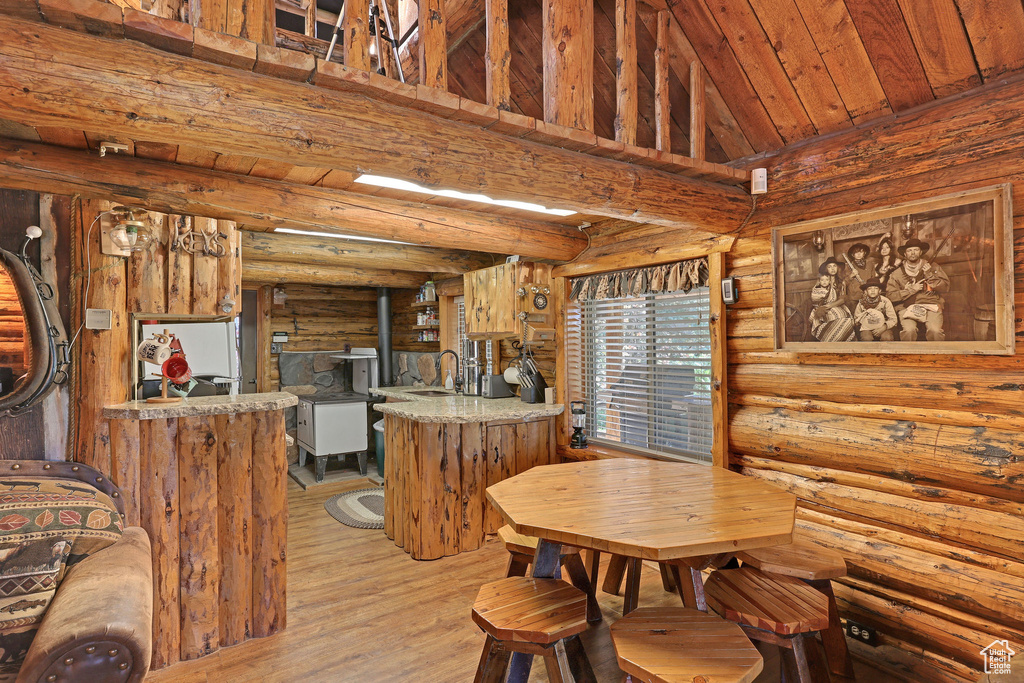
(45, 527)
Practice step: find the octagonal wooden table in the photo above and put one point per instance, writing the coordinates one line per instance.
(643, 509)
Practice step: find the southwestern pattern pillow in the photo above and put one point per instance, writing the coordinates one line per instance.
(45, 527)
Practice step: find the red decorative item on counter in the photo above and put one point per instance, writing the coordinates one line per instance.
(176, 369)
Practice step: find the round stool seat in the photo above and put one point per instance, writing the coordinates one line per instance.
(516, 542)
(529, 610)
(675, 644)
(771, 602)
(800, 559)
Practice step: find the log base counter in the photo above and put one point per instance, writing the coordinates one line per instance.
(441, 455)
(206, 478)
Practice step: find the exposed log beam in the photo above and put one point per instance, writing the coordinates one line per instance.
(342, 253)
(173, 188)
(268, 272)
(50, 76)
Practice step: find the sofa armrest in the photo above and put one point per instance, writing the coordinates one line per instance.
(99, 626)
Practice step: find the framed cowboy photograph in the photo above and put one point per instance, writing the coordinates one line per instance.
(928, 276)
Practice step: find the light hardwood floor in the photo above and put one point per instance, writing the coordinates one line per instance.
(360, 610)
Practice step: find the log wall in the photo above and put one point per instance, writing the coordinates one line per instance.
(909, 465)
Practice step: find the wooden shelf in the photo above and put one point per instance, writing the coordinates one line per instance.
(426, 327)
(424, 304)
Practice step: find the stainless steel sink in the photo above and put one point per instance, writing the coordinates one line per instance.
(430, 392)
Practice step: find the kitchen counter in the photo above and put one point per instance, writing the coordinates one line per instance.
(207, 479)
(442, 454)
(458, 408)
(201, 405)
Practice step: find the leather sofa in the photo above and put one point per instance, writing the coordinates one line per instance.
(98, 625)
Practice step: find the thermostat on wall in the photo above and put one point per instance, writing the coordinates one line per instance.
(729, 294)
(98, 319)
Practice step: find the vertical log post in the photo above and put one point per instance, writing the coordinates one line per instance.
(433, 44)
(234, 510)
(355, 42)
(269, 522)
(103, 357)
(124, 465)
(388, 58)
(568, 47)
(311, 18)
(263, 359)
(498, 57)
(159, 516)
(697, 111)
(719, 364)
(198, 543)
(662, 104)
(250, 19)
(204, 271)
(625, 71)
(179, 267)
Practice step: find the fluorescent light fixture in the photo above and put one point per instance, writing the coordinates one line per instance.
(395, 184)
(337, 236)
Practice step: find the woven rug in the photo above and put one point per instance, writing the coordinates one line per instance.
(362, 509)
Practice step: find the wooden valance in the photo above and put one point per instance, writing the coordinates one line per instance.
(635, 282)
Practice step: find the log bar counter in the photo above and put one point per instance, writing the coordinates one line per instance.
(206, 478)
(441, 454)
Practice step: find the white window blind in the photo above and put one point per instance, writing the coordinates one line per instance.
(643, 366)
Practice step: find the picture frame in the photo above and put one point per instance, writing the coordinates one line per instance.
(926, 276)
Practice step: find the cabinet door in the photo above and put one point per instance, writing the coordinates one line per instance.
(490, 300)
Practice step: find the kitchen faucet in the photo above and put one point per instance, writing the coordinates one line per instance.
(458, 376)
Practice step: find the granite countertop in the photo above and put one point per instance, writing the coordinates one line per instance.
(459, 408)
(201, 405)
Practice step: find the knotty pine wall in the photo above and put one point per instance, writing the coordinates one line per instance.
(909, 465)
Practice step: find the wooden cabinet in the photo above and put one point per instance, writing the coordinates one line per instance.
(496, 296)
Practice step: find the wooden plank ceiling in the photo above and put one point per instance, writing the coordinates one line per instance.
(779, 71)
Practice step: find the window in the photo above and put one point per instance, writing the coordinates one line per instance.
(643, 366)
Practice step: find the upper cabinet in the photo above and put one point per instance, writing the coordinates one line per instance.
(500, 298)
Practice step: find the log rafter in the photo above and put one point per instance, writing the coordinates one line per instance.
(51, 76)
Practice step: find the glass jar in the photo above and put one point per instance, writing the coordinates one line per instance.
(429, 293)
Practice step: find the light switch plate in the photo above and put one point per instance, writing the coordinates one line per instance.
(98, 319)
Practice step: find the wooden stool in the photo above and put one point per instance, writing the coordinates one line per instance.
(670, 644)
(771, 608)
(816, 566)
(521, 550)
(533, 617)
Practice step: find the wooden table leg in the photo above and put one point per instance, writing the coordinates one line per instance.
(833, 638)
(632, 597)
(546, 563)
(578, 575)
(493, 663)
(579, 664)
(613, 577)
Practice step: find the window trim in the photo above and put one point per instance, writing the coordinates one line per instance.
(719, 360)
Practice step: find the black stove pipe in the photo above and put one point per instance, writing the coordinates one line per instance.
(384, 335)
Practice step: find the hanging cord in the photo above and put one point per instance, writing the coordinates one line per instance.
(753, 205)
(88, 274)
(582, 227)
(72, 427)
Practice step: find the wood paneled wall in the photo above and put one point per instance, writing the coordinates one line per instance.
(162, 281)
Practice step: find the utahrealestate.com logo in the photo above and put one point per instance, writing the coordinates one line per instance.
(997, 657)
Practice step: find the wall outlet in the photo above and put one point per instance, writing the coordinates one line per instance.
(275, 347)
(864, 634)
